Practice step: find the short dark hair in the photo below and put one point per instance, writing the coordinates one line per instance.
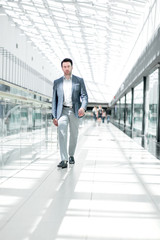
(67, 60)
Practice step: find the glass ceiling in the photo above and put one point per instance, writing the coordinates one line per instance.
(98, 35)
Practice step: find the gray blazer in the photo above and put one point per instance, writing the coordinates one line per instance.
(79, 96)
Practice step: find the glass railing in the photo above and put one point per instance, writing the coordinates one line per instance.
(25, 128)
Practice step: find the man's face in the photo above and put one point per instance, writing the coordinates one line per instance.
(67, 68)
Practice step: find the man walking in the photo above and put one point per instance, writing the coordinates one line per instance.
(69, 103)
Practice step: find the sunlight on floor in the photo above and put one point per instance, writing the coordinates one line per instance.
(111, 193)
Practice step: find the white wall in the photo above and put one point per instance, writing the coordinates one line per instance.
(11, 35)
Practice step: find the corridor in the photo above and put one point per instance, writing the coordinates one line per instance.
(111, 193)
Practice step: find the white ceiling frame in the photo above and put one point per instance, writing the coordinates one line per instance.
(97, 35)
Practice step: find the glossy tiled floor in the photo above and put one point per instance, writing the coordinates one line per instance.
(111, 193)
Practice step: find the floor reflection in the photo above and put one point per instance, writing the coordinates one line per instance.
(148, 142)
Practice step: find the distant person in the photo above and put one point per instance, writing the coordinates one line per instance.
(69, 103)
(103, 115)
(99, 114)
(94, 112)
(108, 118)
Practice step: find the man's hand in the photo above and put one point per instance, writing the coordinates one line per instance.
(55, 122)
(81, 112)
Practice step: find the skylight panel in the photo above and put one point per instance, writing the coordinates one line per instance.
(70, 7)
(55, 4)
(41, 26)
(36, 19)
(98, 96)
(34, 31)
(97, 34)
(29, 8)
(11, 13)
(24, 18)
(59, 14)
(76, 34)
(26, 23)
(12, 4)
(25, 1)
(42, 11)
(38, 1)
(72, 18)
(89, 10)
(18, 21)
(45, 35)
(89, 22)
(62, 24)
(48, 21)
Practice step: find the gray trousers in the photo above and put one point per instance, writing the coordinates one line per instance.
(67, 121)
